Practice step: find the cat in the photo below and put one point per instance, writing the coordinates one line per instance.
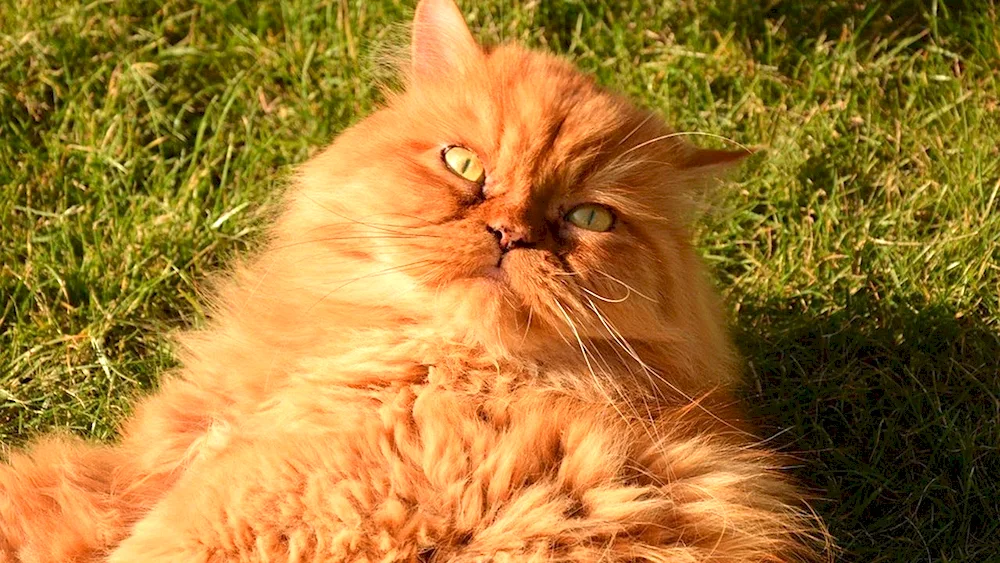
(477, 331)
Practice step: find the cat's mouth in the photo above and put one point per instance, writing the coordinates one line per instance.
(498, 271)
(501, 269)
(511, 266)
(505, 268)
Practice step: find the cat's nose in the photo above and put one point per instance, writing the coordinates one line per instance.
(510, 237)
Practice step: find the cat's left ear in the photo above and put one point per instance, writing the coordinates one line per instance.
(442, 43)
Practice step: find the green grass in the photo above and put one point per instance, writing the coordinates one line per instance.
(140, 145)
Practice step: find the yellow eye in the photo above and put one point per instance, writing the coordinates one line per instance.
(465, 163)
(592, 217)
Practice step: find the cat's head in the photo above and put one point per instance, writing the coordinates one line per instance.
(509, 200)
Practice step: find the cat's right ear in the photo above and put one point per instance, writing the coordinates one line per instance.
(442, 44)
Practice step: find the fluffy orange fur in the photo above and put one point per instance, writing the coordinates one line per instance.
(382, 382)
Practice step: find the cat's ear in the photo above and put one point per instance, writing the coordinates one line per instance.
(441, 42)
(714, 162)
(701, 170)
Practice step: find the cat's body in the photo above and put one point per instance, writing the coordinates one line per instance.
(388, 380)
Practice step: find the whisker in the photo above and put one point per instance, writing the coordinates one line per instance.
(359, 222)
(686, 134)
(652, 372)
(586, 358)
(386, 271)
(619, 339)
(527, 326)
(352, 237)
(627, 286)
(636, 128)
(407, 216)
(606, 299)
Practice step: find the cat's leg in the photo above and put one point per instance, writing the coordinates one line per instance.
(60, 501)
(66, 500)
(219, 511)
(280, 499)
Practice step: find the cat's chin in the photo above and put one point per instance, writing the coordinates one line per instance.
(493, 284)
(481, 309)
(495, 275)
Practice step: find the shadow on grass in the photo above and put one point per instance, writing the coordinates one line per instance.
(894, 412)
(907, 25)
(803, 22)
(867, 20)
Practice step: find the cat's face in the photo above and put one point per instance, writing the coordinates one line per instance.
(506, 192)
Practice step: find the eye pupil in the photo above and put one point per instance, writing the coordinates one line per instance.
(464, 163)
(592, 217)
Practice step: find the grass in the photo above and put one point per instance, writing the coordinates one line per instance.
(141, 142)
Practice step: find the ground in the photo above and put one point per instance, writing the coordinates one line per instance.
(141, 143)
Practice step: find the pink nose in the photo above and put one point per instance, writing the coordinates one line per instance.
(510, 237)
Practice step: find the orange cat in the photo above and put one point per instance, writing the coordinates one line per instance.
(477, 332)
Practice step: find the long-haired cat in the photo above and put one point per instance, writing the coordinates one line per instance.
(477, 332)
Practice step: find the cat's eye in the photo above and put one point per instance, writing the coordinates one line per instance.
(464, 163)
(592, 217)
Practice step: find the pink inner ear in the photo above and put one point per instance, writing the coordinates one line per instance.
(441, 40)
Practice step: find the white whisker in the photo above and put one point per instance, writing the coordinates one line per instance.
(627, 286)
(634, 129)
(685, 134)
(607, 299)
(586, 358)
